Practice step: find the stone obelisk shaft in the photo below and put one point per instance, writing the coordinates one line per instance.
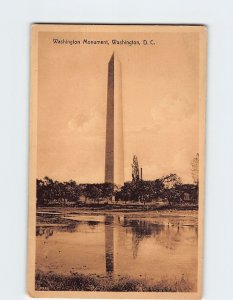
(114, 153)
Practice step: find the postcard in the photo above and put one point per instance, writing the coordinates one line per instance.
(116, 184)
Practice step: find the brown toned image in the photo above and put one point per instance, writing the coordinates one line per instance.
(116, 183)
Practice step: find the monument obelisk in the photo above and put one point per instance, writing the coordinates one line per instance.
(114, 152)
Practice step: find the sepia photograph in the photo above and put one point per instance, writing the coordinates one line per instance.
(117, 134)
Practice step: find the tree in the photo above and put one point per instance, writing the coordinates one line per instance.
(173, 195)
(92, 191)
(157, 188)
(107, 190)
(96, 193)
(195, 169)
(135, 169)
(172, 192)
(40, 192)
(49, 190)
(126, 191)
(54, 192)
(145, 191)
(71, 191)
(171, 181)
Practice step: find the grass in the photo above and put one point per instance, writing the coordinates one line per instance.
(80, 282)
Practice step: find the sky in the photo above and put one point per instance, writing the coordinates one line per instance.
(160, 95)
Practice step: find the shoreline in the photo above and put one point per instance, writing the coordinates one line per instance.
(55, 215)
(120, 208)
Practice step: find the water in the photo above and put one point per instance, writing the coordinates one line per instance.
(136, 245)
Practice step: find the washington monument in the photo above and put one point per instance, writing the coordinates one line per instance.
(114, 152)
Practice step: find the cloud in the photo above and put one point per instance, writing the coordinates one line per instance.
(88, 125)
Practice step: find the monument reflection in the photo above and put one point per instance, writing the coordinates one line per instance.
(109, 244)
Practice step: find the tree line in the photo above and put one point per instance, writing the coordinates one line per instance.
(168, 188)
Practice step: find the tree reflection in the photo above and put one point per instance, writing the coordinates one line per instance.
(142, 229)
(167, 235)
(49, 231)
(92, 224)
(109, 244)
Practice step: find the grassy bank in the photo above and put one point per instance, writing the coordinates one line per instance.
(80, 282)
